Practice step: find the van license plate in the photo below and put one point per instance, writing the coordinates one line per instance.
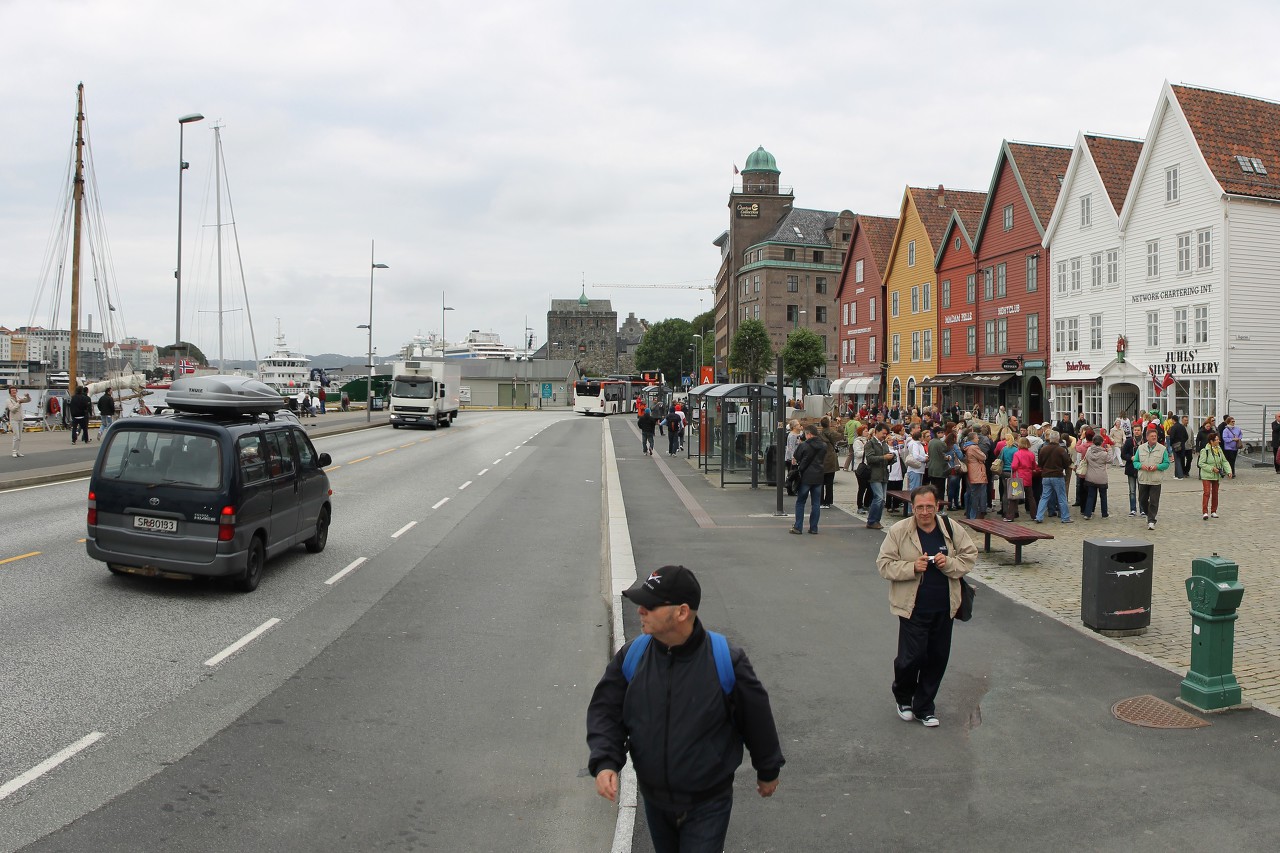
(157, 525)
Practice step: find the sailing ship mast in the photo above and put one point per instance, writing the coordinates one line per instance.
(78, 202)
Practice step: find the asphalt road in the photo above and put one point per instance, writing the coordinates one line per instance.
(430, 699)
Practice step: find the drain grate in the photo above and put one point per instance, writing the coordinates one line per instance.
(1155, 714)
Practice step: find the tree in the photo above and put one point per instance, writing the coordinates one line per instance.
(751, 351)
(705, 324)
(667, 346)
(190, 351)
(803, 356)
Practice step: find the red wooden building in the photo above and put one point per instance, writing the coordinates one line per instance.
(860, 297)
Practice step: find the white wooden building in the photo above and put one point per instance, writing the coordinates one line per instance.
(1087, 284)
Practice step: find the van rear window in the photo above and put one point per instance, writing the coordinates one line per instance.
(162, 458)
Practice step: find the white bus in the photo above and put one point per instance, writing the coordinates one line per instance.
(603, 396)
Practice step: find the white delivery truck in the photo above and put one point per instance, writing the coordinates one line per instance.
(424, 392)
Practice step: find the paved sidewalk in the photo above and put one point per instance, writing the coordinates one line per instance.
(1050, 575)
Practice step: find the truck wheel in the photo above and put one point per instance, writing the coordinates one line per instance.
(395, 426)
(448, 421)
(248, 580)
(321, 538)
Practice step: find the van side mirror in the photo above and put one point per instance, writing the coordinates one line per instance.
(324, 460)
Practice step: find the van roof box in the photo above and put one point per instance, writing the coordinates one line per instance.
(223, 395)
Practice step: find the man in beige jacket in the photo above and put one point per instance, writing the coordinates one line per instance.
(923, 561)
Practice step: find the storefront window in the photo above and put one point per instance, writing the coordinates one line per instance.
(1093, 404)
(1204, 398)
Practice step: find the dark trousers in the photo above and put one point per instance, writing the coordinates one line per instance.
(939, 483)
(1093, 492)
(673, 441)
(924, 647)
(1185, 457)
(693, 829)
(864, 489)
(646, 442)
(810, 493)
(891, 504)
(80, 425)
(829, 488)
(1149, 501)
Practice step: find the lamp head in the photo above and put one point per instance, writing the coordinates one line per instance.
(191, 118)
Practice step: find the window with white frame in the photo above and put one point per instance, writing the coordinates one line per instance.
(1204, 249)
(928, 344)
(1033, 332)
(871, 350)
(1095, 270)
(971, 288)
(1086, 211)
(1153, 328)
(844, 315)
(971, 340)
(857, 271)
(853, 312)
(1095, 332)
(893, 304)
(1008, 217)
(897, 392)
(1204, 399)
(946, 293)
(1066, 334)
(1202, 324)
(1001, 281)
(1153, 259)
(1093, 403)
(1171, 184)
(915, 300)
(1184, 253)
(897, 348)
(926, 296)
(911, 391)
(844, 352)
(1075, 275)
(1063, 400)
(1180, 327)
(757, 311)
(1033, 264)
(915, 346)
(1002, 335)
(989, 337)
(1062, 276)
(871, 310)
(853, 350)
(946, 342)
(911, 253)
(988, 284)
(1113, 266)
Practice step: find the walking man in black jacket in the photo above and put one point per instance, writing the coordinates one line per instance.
(81, 407)
(810, 459)
(685, 728)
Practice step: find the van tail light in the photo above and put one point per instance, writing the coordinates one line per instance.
(227, 524)
(92, 517)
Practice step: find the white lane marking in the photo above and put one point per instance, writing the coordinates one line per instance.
(508, 453)
(482, 472)
(464, 485)
(351, 567)
(49, 763)
(242, 642)
(46, 485)
(439, 503)
(403, 530)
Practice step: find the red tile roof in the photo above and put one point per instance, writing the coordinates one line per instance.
(1041, 169)
(935, 215)
(1115, 159)
(1226, 126)
(879, 232)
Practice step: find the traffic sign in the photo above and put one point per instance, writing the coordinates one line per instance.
(686, 381)
(546, 390)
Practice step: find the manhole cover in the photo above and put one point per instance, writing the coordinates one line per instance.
(1155, 714)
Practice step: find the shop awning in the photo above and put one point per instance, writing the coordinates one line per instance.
(985, 380)
(942, 380)
(1075, 379)
(860, 385)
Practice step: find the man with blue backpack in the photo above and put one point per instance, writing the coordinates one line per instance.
(683, 702)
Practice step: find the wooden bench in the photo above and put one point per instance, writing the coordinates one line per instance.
(903, 495)
(1015, 534)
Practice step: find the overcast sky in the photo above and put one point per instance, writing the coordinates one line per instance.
(498, 152)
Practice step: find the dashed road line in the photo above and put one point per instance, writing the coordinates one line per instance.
(508, 453)
(410, 444)
(439, 503)
(404, 530)
(242, 642)
(361, 459)
(496, 461)
(388, 450)
(464, 485)
(49, 763)
(482, 472)
(21, 557)
(351, 567)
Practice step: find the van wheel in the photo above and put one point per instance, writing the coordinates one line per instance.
(248, 581)
(316, 543)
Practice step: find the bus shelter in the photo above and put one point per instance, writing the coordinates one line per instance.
(735, 431)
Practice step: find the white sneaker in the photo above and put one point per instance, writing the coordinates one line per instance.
(904, 712)
(1133, 515)
(929, 721)
(1151, 525)
(1205, 517)
(1211, 515)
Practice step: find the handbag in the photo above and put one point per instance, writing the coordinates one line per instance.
(1082, 466)
(863, 471)
(997, 465)
(1017, 491)
(967, 592)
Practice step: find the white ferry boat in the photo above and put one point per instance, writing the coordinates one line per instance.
(480, 344)
(284, 370)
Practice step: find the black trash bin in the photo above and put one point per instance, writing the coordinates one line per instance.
(1115, 585)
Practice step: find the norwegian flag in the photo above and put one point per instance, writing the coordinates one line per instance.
(185, 366)
(1168, 380)
(735, 168)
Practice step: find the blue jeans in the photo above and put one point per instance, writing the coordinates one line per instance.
(977, 500)
(914, 479)
(1133, 494)
(646, 442)
(1091, 498)
(1056, 488)
(813, 494)
(878, 488)
(696, 829)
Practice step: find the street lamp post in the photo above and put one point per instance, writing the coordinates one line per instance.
(699, 348)
(528, 365)
(368, 382)
(177, 274)
(795, 325)
(443, 308)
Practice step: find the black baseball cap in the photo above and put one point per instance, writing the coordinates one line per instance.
(667, 585)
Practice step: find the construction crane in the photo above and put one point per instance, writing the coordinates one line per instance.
(696, 284)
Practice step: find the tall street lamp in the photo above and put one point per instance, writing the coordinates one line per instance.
(528, 366)
(699, 346)
(443, 308)
(177, 274)
(794, 326)
(368, 382)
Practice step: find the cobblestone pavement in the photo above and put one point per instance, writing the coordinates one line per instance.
(1050, 575)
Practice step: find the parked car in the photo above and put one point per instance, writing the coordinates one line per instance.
(213, 489)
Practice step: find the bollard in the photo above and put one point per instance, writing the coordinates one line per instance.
(1215, 592)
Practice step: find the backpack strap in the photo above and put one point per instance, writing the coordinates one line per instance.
(719, 651)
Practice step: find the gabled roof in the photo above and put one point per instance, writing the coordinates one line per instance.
(879, 233)
(934, 207)
(804, 226)
(964, 221)
(1038, 171)
(1227, 126)
(1115, 159)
